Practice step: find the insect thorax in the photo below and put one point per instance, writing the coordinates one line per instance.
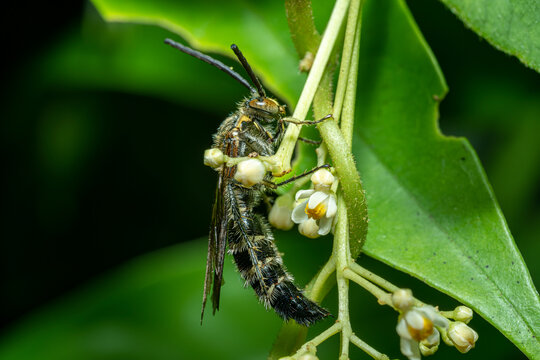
(254, 127)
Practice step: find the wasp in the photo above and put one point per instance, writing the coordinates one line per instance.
(255, 127)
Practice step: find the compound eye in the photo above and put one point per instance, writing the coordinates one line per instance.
(265, 105)
(257, 104)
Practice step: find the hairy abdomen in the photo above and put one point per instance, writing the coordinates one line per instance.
(251, 243)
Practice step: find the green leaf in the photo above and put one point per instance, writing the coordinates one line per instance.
(212, 27)
(432, 212)
(132, 58)
(510, 26)
(148, 309)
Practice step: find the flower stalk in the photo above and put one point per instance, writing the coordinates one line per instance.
(281, 161)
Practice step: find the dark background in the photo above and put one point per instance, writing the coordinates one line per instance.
(70, 206)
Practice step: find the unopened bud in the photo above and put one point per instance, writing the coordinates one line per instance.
(280, 214)
(322, 179)
(403, 299)
(250, 172)
(463, 314)
(462, 336)
(309, 228)
(213, 158)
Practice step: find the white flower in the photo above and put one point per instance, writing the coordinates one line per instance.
(280, 214)
(418, 324)
(462, 336)
(320, 206)
(309, 228)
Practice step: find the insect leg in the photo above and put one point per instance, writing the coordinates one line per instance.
(294, 178)
(306, 122)
(309, 141)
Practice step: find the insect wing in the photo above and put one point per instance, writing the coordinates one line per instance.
(216, 250)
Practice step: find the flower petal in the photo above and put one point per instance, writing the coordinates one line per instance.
(298, 214)
(433, 339)
(316, 199)
(410, 349)
(431, 313)
(309, 228)
(332, 207)
(302, 194)
(325, 225)
(415, 319)
(402, 330)
(440, 321)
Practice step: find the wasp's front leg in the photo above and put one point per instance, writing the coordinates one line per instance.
(306, 122)
(273, 185)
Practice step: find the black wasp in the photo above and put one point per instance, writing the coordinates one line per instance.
(255, 127)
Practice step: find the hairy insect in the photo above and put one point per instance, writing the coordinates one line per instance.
(255, 127)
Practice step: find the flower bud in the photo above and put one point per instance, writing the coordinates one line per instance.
(280, 214)
(462, 336)
(403, 299)
(322, 178)
(213, 158)
(463, 314)
(250, 172)
(309, 228)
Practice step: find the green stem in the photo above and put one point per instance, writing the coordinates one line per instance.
(341, 253)
(353, 192)
(339, 144)
(310, 346)
(382, 296)
(291, 335)
(347, 122)
(282, 158)
(316, 288)
(368, 349)
(376, 279)
(346, 57)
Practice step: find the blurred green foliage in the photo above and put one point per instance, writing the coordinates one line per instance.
(104, 146)
(511, 26)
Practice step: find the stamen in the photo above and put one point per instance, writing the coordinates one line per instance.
(422, 333)
(317, 212)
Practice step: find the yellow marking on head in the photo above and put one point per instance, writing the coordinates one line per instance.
(242, 119)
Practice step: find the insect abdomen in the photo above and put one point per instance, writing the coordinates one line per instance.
(251, 243)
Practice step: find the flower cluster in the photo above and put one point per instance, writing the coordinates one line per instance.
(420, 326)
(315, 215)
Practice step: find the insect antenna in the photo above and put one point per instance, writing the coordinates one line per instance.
(250, 72)
(207, 59)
